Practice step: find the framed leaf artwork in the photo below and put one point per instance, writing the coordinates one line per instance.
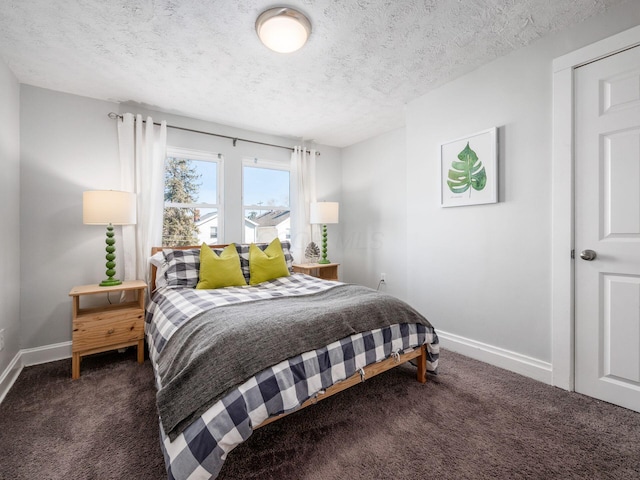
(469, 169)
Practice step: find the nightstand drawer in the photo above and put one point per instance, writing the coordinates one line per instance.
(98, 330)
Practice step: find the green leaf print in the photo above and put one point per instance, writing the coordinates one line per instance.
(468, 172)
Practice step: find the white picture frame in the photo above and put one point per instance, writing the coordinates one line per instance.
(469, 169)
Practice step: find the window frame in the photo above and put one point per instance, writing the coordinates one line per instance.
(257, 162)
(200, 155)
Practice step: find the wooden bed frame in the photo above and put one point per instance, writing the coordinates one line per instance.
(419, 354)
(368, 372)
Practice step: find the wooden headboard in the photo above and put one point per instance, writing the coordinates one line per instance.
(154, 250)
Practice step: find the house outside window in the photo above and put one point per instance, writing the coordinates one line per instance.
(193, 210)
(265, 198)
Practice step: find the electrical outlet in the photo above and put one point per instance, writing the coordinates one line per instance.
(383, 277)
(1, 339)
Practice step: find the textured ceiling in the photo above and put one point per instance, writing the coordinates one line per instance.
(363, 62)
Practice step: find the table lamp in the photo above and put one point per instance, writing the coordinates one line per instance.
(323, 213)
(109, 207)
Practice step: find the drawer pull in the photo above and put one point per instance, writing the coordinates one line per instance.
(110, 331)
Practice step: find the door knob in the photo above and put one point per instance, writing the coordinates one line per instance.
(588, 255)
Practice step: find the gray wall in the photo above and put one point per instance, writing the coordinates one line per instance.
(374, 221)
(10, 215)
(480, 272)
(69, 145)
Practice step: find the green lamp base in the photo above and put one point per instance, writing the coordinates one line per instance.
(111, 260)
(324, 260)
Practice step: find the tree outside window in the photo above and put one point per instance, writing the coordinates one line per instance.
(181, 185)
(191, 209)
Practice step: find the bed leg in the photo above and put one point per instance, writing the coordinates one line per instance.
(422, 365)
(140, 351)
(75, 365)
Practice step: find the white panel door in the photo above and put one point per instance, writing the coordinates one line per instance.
(607, 209)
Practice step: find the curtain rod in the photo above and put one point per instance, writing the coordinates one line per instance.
(114, 116)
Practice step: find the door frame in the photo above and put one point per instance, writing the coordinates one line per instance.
(563, 204)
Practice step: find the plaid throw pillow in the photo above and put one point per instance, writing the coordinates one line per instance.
(286, 249)
(183, 267)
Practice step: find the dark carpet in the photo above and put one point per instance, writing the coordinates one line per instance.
(473, 421)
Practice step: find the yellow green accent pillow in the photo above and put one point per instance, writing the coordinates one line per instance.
(267, 265)
(220, 271)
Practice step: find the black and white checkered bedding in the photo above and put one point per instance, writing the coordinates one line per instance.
(199, 452)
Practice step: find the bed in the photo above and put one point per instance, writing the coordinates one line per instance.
(230, 360)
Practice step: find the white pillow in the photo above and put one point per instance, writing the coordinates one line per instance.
(159, 262)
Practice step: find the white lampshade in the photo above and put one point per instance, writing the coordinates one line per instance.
(104, 207)
(283, 30)
(324, 212)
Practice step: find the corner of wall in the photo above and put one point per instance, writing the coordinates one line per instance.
(10, 375)
(10, 218)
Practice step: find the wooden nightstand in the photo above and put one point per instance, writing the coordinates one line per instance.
(107, 327)
(326, 271)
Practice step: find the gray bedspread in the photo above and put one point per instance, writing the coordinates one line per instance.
(220, 349)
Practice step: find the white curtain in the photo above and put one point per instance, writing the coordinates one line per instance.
(143, 147)
(303, 173)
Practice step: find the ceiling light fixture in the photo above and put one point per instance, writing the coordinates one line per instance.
(283, 30)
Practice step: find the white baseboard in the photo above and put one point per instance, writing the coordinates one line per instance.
(515, 362)
(10, 375)
(28, 357)
(48, 353)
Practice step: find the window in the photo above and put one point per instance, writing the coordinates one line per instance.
(193, 213)
(265, 198)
